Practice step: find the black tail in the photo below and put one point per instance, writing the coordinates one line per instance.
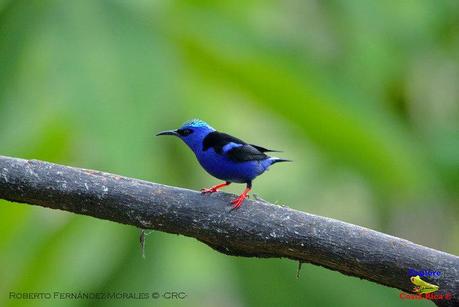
(276, 160)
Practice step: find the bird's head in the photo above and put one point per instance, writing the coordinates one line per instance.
(192, 133)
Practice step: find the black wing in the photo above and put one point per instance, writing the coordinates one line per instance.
(217, 140)
(246, 153)
(262, 149)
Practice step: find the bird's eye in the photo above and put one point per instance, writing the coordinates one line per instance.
(184, 132)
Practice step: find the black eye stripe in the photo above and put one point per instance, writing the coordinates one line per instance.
(184, 132)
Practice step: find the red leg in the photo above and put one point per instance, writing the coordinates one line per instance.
(238, 201)
(215, 188)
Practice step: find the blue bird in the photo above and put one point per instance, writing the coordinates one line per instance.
(224, 156)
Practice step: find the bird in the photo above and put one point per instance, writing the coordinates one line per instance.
(224, 156)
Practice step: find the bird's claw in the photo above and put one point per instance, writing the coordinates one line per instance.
(238, 201)
(208, 191)
(215, 188)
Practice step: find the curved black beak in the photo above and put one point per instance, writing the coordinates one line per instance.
(168, 132)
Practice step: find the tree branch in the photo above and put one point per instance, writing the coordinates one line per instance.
(257, 229)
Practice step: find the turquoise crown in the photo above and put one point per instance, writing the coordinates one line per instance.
(196, 123)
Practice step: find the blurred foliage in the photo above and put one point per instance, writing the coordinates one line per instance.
(363, 96)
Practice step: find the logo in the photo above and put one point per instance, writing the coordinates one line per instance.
(423, 290)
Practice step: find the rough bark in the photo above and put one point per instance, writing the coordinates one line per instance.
(257, 229)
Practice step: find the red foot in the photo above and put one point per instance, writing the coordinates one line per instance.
(238, 201)
(214, 188)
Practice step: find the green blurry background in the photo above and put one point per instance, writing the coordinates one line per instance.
(362, 95)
